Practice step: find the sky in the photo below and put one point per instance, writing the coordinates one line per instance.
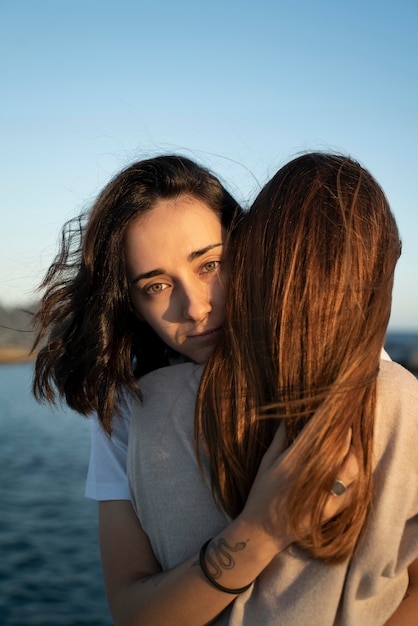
(89, 86)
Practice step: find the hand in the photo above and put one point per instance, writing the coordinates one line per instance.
(266, 503)
(347, 474)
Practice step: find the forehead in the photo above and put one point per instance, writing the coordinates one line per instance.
(181, 207)
(170, 232)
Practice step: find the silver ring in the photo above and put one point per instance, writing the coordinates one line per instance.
(338, 487)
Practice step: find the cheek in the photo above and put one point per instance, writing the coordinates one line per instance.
(145, 314)
(151, 313)
(136, 306)
(138, 313)
(143, 309)
(223, 279)
(218, 290)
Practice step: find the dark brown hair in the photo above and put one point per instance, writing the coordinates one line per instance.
(309, 303)
(88, 333)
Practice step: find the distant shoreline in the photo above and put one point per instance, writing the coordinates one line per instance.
(402, 347)
(15, 355)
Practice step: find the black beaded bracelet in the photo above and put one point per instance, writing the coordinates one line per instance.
(212, 580)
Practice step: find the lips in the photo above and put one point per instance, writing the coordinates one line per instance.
(206, 334)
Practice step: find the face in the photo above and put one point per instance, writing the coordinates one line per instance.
(174, 256)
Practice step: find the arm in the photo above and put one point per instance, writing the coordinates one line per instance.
(407, 612)
(139, 593)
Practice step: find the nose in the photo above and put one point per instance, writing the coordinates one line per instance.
(196, 302)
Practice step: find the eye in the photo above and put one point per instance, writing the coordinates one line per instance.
(211, 266)
(156, 288)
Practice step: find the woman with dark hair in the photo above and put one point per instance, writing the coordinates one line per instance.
(233, 525)
(93, 329)
(92, 322)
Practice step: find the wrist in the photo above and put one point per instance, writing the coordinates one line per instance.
(264, 542)
(210, 570)
(236, 557)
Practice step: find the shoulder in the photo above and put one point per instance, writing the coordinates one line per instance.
(167, 403)
(396, 409)
(168, 383)
(396, 383)
(172, 375)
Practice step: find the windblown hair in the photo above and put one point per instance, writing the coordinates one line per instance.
(88, 334)
(308, 308)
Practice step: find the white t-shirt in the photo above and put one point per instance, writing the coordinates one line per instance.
(106, 476)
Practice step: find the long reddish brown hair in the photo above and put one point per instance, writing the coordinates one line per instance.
(308, 309)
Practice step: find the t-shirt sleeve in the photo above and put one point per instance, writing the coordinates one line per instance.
(106, 476)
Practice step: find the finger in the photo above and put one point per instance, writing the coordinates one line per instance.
(335, 504)
(348, 441)
(274, 452)
(349, 469)
(348, 474)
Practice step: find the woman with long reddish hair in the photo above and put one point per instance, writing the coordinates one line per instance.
(235, 525)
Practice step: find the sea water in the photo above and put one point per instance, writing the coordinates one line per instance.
(50, 571)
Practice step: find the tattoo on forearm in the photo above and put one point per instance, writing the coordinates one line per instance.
(218, 556)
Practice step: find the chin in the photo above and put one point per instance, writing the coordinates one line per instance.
(203, 356)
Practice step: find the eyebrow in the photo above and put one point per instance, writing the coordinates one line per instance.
(191, 257)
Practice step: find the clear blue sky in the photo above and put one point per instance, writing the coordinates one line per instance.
(88, 86)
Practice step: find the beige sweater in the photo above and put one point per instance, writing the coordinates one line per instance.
(176, 510)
